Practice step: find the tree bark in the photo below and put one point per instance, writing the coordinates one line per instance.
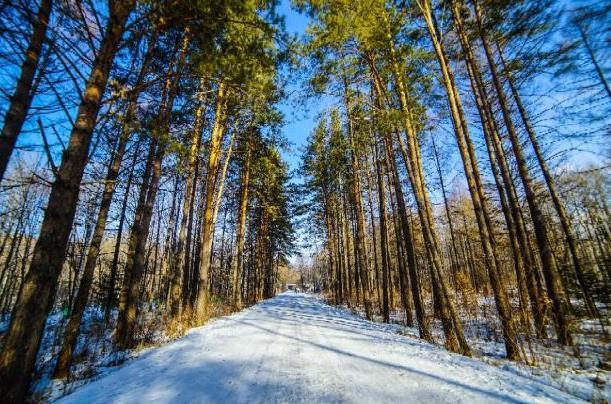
(374, 238)
(474, 182)
(406, 228)
(136, 258)
(36, 296)
(238, 262)
(175, 296)
(207, 230)
(565, 221)
(383, 239)
(71, 332)
(360, 244)
(550, 269)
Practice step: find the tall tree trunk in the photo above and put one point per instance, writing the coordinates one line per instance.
(180, 257)
(406, 230)
(332, 281)
(550, 269)
(505, 186)
(109, 301)
(71, 332)
(220, 180)
(36, 296)
(22, 97)
(565, 221)
(474, 182)
(166, 269)
(455, 340)
(121, 324)
(189, 256)
(136, 259)
(238, 261)
(383, 238)
(360, 242)
(374, 237)
(195, 265)
(404, 281)
(207, 230)
(339, 271)
(346, 247)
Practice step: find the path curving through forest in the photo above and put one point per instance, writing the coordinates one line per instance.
(295, 348)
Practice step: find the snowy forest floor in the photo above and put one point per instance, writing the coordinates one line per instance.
(296, 348)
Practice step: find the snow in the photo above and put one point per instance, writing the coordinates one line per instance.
(296, 348)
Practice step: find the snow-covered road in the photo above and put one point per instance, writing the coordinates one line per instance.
(295, 348)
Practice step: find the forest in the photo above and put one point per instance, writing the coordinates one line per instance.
(454, 180)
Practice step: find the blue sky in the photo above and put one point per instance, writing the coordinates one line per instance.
(299, 118)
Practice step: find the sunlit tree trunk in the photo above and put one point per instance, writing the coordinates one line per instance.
(207, 230)
(565, 221)
(405, 224)
(491, 132)
(360, 243)
(374, 238)
(136, 258)
(180, 255)
(36, 296)
(550, 269)
(404, 278)
(71, 331)
(383, 239)
(474, 182)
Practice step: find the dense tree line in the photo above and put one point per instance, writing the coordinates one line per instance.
(415, 84)
(140, 166)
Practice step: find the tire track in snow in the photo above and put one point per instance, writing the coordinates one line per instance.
(294, 348)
